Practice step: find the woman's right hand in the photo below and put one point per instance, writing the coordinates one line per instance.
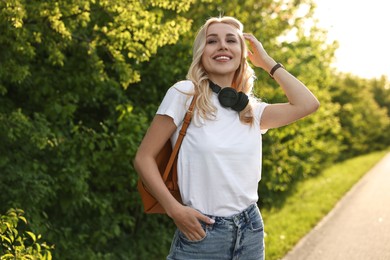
(187, 221)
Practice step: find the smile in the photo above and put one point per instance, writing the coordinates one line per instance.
(222, 58)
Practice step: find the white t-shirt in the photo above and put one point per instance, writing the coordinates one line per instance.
(219, 161)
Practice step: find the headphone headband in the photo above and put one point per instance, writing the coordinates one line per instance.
(214, 87)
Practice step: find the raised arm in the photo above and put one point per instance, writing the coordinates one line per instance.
(301, 103)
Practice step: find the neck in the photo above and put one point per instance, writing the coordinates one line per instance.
(222, 81)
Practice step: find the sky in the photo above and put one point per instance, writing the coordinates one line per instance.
(362, 29)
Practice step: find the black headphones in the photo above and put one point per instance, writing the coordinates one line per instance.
(229, 97)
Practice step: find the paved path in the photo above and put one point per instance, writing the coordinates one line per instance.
(358, 228)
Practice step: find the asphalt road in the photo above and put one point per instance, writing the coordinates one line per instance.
(358, 228)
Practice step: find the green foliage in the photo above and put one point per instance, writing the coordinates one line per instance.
(68, 127)
(267, 19)
(380, 89)
(303, 148)
(19, 243)
(365, 124)
(81, 80)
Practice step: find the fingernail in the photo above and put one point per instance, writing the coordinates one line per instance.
(212, 221)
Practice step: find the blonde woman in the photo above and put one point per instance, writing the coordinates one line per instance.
(219, 163)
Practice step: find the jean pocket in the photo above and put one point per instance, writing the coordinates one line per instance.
(186, 240)
(257, 224)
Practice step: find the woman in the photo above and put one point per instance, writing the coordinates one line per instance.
(219, 163)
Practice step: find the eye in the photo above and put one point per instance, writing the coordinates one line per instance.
(211, 41)
(232, 40)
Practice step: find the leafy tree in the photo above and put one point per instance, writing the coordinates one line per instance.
(365, 125)
(68, 129)
(305, 147)
(381, 91)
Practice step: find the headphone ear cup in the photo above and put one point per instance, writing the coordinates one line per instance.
(228, 97)
(241, 103)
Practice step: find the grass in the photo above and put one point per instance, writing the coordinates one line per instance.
(310, 201)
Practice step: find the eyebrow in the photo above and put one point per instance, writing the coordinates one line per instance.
(214, 34)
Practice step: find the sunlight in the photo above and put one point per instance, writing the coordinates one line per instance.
(360, 27)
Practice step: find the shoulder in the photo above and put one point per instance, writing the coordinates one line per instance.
(176, 101)
(258, 107)
(180, 91)
(184, 86)
(257, 103)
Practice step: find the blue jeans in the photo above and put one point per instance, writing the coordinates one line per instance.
(240, 236)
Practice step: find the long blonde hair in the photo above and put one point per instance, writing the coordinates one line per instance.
(243, 77)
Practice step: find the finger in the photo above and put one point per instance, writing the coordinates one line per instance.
(196, 234)
(193, 237)
(253, 47)
(200, 235)
(254, 44)
(204, 218)
(247, 35)
(189, 236)
(250, 37)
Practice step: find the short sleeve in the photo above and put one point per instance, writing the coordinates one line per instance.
(176, 101)
(258, 109)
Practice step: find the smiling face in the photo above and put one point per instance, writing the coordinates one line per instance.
(222, 53)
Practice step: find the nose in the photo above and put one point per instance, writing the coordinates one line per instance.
(223, 45)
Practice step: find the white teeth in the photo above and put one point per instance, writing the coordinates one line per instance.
(222, 58)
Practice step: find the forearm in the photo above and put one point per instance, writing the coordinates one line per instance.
(297, 93)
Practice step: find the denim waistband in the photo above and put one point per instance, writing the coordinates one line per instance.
(243, 216)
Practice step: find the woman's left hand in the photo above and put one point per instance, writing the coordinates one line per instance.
(257, 54)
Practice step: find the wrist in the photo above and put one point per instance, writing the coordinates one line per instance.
(173, 209)
(269, 64)
(275, 68)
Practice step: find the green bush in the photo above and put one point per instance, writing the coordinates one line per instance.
(365, 122)
(17, 242)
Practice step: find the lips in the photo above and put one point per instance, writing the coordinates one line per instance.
(222, 58)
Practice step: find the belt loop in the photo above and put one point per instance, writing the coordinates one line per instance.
(247, 218)
(248, 211)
